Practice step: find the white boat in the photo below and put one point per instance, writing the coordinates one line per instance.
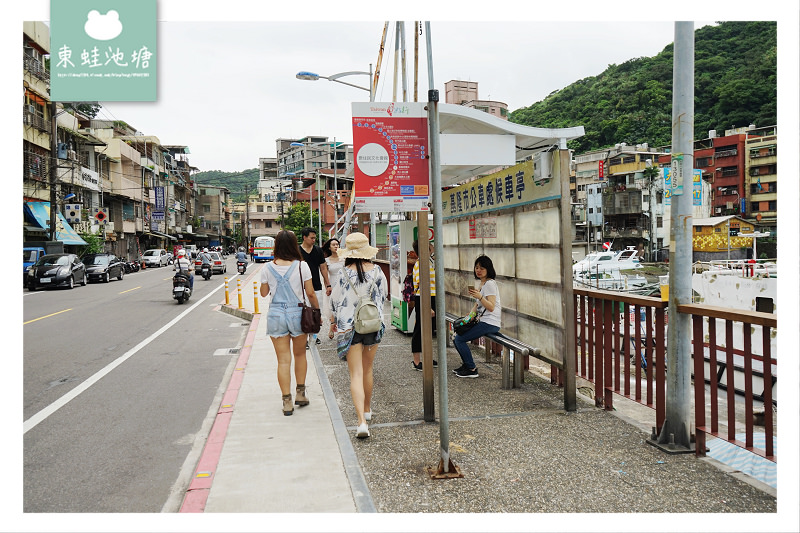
(745, 287)
(613, 280)
(604, 271)
(606, 261)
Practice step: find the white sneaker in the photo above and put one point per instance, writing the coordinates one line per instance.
(362, 432)
(368, 416)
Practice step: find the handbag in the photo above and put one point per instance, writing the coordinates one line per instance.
(310, 317)
(408, 288)
(465, 323)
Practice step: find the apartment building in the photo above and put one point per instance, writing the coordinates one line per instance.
(129, 189)
(465, 93)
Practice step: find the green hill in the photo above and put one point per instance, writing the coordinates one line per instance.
(234, 181)
(735, 85)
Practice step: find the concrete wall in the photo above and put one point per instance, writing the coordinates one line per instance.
(524, 247)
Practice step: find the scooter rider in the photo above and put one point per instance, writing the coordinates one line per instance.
(186, 265)
(241, 256)
(205, 258)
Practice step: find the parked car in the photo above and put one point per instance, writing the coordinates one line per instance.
(155, 257)
(217, 263)
(103, 267)
(30, 255)
(53, 270)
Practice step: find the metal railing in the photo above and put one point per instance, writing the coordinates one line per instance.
(632, 364)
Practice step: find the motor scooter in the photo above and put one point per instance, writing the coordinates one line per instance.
(181, 290)
(241, 266)
(205, 271)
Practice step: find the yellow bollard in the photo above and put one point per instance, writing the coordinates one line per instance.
(239, 291)
(227, 296)
(255, 297)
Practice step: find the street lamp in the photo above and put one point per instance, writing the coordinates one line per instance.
(311, 76)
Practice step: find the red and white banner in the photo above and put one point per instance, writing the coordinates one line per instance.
(390, 147)
(606, 246)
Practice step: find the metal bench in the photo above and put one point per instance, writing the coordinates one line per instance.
(511, 360)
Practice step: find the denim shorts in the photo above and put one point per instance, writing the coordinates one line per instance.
(367, 339)
(284, 320)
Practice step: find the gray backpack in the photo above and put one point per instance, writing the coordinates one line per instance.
(367, 317)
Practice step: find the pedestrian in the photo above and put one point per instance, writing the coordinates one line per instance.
(416, 336)
(312, 254)
(285, 279)
(330, 251)
(358, 275)
(487, 307)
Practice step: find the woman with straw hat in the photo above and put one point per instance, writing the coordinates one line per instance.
(358, 275)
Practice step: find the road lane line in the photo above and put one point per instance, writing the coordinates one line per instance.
(129, 290)
(47, 316)
(42, 415)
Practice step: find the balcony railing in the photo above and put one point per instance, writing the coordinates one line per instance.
(32, 119)
(35, 67)
(632, 364)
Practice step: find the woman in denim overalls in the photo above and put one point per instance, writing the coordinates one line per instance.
(282, 280)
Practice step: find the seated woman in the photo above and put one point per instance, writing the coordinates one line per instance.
(487, 306)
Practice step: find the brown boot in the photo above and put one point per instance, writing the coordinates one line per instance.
(288, 409)
(300, 399)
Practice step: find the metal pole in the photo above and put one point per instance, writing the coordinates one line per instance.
(53, 170)
(676, 428)
(436, 202)
(336, 190)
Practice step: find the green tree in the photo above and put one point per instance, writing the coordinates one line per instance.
(94, 244)
(298, 217)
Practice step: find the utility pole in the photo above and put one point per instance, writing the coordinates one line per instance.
(247, 215)
(674, 436)
(53, 170)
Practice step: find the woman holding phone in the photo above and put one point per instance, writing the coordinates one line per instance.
(487, 306)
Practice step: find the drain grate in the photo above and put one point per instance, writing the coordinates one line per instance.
(226, 351)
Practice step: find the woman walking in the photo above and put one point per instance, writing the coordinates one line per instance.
(358, 276)
(285, 279)
(487, 307)
(330, 251)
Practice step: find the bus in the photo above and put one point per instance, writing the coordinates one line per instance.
(262, 248)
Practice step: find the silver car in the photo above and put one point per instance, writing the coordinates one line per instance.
(155, 257)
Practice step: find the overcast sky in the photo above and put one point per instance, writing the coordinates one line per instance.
(227, 89)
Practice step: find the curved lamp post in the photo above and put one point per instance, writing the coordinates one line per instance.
(311, 76)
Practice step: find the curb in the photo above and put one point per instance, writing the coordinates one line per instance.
(240, 313)
(197, 494)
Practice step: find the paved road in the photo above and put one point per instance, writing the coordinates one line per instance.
(119, 381)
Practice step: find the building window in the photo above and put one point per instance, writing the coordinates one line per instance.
(259, 208)
(206, 208)
(659, 222)
(268, 224)
(773, 205)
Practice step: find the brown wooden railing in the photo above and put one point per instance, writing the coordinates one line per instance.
(609, 355)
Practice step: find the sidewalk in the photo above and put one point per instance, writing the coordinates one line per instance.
(518, 450)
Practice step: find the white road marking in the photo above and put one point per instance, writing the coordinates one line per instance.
(42, 415)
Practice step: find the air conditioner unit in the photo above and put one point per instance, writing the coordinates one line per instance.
(718, 210)
(541, 167)
(72, 155)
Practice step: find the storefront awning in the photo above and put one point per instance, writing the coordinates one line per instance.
(39, 213)
(155, 233)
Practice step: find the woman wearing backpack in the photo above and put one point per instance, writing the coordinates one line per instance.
(359, 277)
(285, 279)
